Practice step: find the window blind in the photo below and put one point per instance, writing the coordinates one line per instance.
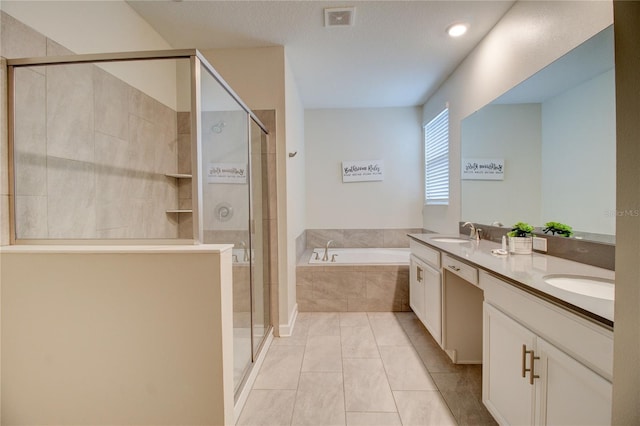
(436, 159)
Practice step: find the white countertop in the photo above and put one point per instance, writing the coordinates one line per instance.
(120, 248)
(529, 270)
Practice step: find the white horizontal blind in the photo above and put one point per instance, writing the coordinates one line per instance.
(436, 159)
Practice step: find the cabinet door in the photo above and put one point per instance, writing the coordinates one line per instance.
(433, 302)
(568, 392)
(507, 395)
(416, 287)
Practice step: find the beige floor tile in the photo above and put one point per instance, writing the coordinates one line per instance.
(320, 400)
(281, 368)
(373, 419)
(423, 408)
(366, 387)
(268, 408)
(354, 319)
(324, 324)
(387, 330)
(322, 353)
(405, 370)
(358, 342)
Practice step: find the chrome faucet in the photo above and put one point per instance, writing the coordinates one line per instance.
(245, 251)
(475, 232)
(496, 223)
(326, 251)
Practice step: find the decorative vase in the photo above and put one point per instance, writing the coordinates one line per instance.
(520, 245)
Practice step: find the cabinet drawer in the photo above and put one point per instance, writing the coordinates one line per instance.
(426, 254)
(467, 272)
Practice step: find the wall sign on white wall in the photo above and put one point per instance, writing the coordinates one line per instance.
(483, 168)
(227, 173)
(362, 171)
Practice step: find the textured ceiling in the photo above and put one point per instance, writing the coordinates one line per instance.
(396, 54)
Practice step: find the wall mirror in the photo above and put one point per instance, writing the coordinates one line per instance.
(555, 135)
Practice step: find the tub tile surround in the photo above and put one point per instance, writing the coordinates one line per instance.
(359, 238)
(352, 288)
(106, 142)
(591, 251)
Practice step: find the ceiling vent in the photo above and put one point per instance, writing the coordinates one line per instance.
(339, 16)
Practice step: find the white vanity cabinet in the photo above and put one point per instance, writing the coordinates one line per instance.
(425, 288)
(529, 380)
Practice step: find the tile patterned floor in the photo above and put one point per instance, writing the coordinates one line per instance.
(361, 368)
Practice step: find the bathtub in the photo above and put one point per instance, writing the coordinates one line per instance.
(362, 256)
(360, 280)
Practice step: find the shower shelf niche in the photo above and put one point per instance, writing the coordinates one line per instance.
(179, 176)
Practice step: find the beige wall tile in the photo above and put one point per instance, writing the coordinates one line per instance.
(184, 122)
(398, 237)
(4, 142)
(111, 104)
(338, 285)
(31, 217)
(318, 237)
(363, 238)
(323, 305)
(184, 153)
(70, 112)
(4, 221)
(30, 134)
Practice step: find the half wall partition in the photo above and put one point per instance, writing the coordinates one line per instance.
(143, 148)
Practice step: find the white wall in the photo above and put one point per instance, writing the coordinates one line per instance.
(103, 26)
(393, 135)
(530, 36)
(579, 156)
(513, 133)
(296, 188)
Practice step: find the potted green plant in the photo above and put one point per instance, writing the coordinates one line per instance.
(558, 228)
(521, 238)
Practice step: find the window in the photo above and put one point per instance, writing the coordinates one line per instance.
(436, 159)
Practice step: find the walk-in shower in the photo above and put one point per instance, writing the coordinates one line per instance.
(144, 147)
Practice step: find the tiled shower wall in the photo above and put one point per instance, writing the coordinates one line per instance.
(95, 150)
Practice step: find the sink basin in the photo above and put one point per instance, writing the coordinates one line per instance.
(450, 240)
(600, 288)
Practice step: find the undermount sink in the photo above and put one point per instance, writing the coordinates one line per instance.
(450, 240)
(600, 288)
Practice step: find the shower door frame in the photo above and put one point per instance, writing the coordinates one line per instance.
(196, 60)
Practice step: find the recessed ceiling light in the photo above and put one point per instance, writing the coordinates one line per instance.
(456, 30)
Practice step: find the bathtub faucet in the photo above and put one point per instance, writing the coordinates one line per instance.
(245, 251)
(326, 251)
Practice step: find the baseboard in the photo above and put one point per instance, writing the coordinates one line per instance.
(287, 330)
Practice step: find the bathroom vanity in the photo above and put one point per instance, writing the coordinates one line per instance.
(541, 326)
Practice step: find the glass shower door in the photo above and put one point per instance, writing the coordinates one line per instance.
(224, 136)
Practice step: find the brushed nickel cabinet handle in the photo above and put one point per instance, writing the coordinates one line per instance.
(453, 267)
(524, 360)
(532, 374)
(419, 273)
